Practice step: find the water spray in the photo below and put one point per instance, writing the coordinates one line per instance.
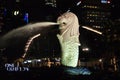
(21, 34)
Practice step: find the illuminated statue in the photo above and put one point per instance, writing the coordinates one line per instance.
(69, 41)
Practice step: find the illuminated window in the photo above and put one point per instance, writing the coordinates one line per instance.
(91, 20)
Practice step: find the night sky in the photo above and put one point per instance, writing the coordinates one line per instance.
(37, 7)
(64, 5)
(116, 8)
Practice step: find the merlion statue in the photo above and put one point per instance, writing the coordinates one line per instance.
(69, 41)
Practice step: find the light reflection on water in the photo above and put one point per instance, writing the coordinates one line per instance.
(56, 73)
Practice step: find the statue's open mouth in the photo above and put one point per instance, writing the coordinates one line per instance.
(62, 24)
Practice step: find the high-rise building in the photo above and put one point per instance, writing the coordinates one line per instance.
(95, 13)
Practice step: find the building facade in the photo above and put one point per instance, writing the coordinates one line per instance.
(96, 14)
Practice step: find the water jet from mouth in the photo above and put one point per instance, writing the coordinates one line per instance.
(21, 34)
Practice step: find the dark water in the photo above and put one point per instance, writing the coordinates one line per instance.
(56, 73)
